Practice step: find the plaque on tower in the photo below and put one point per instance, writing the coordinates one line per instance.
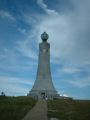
(43, 86)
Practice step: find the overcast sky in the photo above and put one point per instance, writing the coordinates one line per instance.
(68, 24)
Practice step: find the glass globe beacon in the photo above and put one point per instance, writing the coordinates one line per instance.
(44, 36)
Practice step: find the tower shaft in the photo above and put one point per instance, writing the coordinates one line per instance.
(43, 79)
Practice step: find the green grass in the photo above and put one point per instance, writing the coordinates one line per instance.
(69, 109)
(15, 108)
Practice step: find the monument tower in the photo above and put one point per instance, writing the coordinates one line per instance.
(43, 86)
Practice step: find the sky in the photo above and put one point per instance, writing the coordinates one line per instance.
(68, 24)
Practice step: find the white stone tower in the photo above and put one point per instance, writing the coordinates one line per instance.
(43, 86)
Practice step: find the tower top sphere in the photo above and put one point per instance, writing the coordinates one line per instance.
(44, 36)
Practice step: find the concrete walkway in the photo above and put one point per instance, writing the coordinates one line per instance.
(39, 111)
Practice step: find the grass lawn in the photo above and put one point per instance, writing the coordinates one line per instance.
(15, 108)
(69, 109)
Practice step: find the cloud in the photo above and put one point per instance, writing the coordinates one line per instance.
(14, 80)
(23, 31)
(13, 61)
(45, 8)
(80, 83)
(6, 15)
(69, 70)
(25, 48)
(69, 33)
(13, 85)
(65, 95)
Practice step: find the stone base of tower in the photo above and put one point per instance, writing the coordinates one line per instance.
(43, 94)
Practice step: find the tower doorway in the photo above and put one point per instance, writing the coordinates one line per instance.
(43, 95)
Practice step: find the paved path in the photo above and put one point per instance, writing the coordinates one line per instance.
(39, 111)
